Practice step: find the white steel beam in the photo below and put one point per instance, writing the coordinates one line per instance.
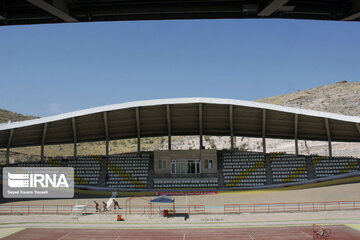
(11, 134)
(355, 12)
(138, 128)
(168, 118)
(352, 17)
(231, 127)
(296, 134)
(264, 131)
(201, 125)
(272, 7)
(106, 124)
(73, 121)
(43, 139)
(327, 125)
(58, 9)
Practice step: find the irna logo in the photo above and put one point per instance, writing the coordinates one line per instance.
(16, 180)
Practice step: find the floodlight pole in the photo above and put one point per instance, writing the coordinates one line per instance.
(264, 131)
(11, 134)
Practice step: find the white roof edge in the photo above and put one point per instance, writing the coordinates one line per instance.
(145, 103)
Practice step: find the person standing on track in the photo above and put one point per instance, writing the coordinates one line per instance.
(97, 207)
(116, 204)
(104, 206)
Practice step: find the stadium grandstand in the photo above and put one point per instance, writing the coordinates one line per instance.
(189, 170)
(205, 183)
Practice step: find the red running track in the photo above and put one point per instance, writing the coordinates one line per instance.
(275, 233)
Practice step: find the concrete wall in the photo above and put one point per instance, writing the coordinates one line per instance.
(169, 155)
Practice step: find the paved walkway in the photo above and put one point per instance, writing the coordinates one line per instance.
(198, 221)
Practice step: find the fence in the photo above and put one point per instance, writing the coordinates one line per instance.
(190, 209)
(35, 209)
(291, 207)
(68, 209)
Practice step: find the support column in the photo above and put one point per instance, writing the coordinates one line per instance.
(296, 135)
(201, 126)
(11, 134)
(168, 118)
(264, 131)
(107, 148)
(138, 129)
(231, 128)
(169, 142)
(74, 136)
(43, 139)
(328, 135)
(358, 127)
(106, 124)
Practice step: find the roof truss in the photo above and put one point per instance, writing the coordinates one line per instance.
(59, 9)
(272, 7)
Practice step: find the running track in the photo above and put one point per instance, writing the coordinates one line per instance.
(266, 233)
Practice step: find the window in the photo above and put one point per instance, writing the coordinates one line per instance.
(178, 166)
(209, 164)
(173, 167)
(193, 167)
(185, 166)
(162, 164)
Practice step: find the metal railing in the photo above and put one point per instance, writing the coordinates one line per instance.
(153, 209)
(35, 209)
(291, 207)
(14, 209)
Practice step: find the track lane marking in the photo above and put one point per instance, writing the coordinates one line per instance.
(4, 232)
(62, 237)
(306, 234)
(251, 237)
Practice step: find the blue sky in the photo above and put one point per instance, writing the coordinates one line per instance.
(55, 68)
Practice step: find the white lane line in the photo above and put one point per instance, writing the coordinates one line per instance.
(118, 238)
(62, 237)
(307, 234)
(184, 237)
(251, 237)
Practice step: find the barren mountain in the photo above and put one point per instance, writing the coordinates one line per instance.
(342, 98)
(6, 116)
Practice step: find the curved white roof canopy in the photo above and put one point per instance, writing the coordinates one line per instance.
(181, 116)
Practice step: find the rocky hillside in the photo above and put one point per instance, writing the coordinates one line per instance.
(342, 98)
(6, 116)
